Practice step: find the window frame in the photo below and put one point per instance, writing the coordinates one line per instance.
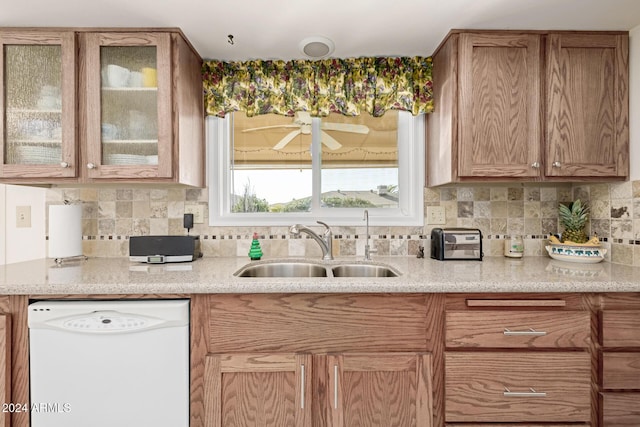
(411, 161)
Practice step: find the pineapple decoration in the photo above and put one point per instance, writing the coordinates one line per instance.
(574, 219)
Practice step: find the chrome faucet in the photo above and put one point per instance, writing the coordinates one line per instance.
(325, 241)
(367, 249)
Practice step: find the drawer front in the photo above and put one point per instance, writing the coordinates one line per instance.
(621, 328)
(621, 409)
(512, 387)
(515, 425)
(621, 371)
(318, 323)
(518, 329)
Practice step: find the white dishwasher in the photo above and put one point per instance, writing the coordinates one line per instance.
(109, 363)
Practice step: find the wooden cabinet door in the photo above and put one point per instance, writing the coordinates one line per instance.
(129, 119)
(38, 106)
(379, 390)
(587, 105)
(258, 390)
(5, 368)
(499, 105)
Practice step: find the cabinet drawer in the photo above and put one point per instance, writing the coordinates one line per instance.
(621, 328)
(512, 387)
(621, 370)
(317, 323)
(518, 329)
(515, 425)
(621, 409)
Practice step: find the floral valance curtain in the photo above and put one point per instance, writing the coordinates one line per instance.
(346, 86)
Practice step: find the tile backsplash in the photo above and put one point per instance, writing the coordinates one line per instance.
(112, 214)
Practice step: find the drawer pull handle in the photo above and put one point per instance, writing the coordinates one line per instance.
(530, 393)
(531, 333)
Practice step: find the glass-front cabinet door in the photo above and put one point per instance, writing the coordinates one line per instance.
(38, 105)
(128, 105)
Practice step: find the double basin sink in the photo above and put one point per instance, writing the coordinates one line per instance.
(312, 269)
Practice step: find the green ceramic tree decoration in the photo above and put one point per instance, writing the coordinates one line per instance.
(255, 253)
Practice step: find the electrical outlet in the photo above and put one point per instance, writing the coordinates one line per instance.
(436, 215)
(23, 216)
(197, 211)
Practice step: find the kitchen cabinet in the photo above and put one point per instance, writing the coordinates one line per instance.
(38, 105)
(137, 115)
(521, 105)
(380, 389)
(244, 388)
(620, 360)
(587, 95)
(5, 367)
(323, 360)
(525, 359)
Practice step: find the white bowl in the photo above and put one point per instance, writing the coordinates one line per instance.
(581, 254)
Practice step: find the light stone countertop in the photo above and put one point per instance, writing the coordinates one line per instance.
(215, 275)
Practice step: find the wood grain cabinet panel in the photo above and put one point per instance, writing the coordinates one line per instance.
(587, 105)
(522, 387)
(258, 390)
(514, 425)
(517, 329)
(379, 390)
(621, 328)
(317, 323)
(5, 368)
(621, 371)
(621, 409)
(499, 105)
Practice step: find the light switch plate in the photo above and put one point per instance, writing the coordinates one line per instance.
(197, 211)
(436, 215)
(23, 216)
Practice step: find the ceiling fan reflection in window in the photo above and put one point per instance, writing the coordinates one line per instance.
(302, 121)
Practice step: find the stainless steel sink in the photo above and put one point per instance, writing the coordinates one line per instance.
(310, 269)
(363, 270)
(282, 269)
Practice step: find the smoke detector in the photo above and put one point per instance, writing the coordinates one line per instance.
(316, 47)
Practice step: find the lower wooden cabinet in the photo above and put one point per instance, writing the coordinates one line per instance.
(278, 390)
(518, 387)
(5, 368)
(620, 409)
(258, 390)
(379, 390)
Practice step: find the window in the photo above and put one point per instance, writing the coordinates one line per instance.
(276, 170)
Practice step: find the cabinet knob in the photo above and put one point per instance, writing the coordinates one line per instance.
(556, 164)
(91, 166)
(535, 165)
(65, 165)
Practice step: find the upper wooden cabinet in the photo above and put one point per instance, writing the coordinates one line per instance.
(529, 106)
(587, 105)
(38, 105)
(137, 115)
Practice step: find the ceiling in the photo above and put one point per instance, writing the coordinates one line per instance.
(273, 29)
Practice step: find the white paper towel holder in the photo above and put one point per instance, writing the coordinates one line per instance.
(71, 258)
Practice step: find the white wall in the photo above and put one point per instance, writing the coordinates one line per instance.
(22, 244)
(634, 101)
